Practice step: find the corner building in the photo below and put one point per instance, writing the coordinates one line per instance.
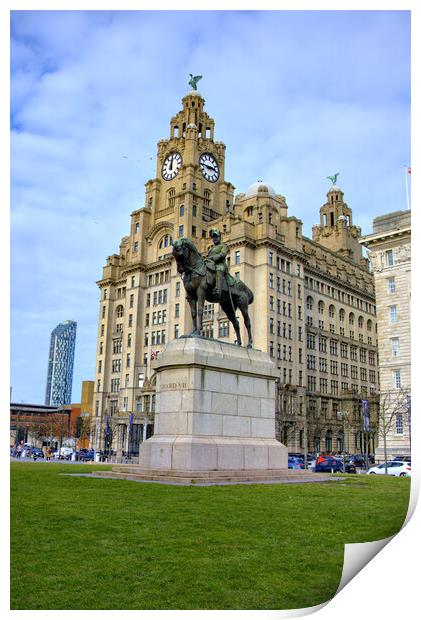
(313, 308)
(390, 255)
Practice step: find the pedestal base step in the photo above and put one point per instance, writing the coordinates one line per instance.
(130, 472)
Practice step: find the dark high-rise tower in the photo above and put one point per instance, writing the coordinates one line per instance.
(60, 364)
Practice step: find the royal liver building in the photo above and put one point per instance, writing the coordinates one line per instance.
(313, 312)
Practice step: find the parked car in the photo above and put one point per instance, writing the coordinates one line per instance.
(295, 462)
(405, 459)
(332, 464)
(37, 453)
(357, 459)
(394, 468)
(86, 455)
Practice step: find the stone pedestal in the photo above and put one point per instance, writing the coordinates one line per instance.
(214, 410)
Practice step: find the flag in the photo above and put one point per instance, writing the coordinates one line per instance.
(154, 354)
(366, 415)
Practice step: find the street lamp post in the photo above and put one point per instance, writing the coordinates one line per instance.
(341, 416)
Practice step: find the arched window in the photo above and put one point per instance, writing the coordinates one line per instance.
(342, 315)
(369, 325)
(331, 310)
(171, 197)
(165, 241)
(360, 322)
(309, 303)
(351, 318)
(119, 312)
(328, 441)
(321, 307)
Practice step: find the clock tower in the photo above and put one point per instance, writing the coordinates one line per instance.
(190, 187)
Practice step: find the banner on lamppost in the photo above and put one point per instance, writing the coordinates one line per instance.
(131, 421)
(366, 415)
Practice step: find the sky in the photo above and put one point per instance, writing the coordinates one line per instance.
(295, 95)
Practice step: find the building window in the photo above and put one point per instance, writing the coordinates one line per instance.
(128, 360)
(393, 314)
(176, 331)
(237, 257)
(181, 210)
(102, 330)
(181, 231)
(390, 260)
(397, 379)
(136, 246)
(399, 424)
(391, 285)
(394, 343)
(101, 348)
(223, 329)
(177, 289)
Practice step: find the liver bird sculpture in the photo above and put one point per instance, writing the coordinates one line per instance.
(194, 80)
(334, 177)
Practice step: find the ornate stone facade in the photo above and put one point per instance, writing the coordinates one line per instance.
(390, 255)
(313, 311)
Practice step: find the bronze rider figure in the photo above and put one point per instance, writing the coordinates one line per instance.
(217, 254)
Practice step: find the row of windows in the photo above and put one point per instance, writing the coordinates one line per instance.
(157, 337)
(286, 287)
(331, 291)
(334, 386)
(354, 352)
(341, 314)
(158, 297)
(283, 330)
(159, 278)
(158, 317)
(281, 263)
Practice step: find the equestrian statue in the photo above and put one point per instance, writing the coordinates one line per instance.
(207, 279)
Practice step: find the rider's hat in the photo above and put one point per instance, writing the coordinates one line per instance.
(214, 232)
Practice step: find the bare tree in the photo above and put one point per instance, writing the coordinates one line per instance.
(286, 413)
(392, 403)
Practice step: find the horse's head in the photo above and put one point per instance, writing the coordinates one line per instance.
(180, 251)
(185, 254)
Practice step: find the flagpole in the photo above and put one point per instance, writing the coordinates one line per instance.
(406, 185)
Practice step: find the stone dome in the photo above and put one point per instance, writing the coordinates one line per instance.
(260, 188)
(335, 188)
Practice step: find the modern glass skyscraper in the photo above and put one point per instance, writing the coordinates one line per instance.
(60, 364)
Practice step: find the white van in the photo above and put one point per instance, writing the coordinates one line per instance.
(65, 452)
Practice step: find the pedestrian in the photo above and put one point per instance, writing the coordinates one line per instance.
(48, 453)
(18, 451)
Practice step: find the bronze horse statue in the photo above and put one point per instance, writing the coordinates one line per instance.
(199, 282)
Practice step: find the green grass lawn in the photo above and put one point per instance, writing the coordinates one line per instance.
(81, 543)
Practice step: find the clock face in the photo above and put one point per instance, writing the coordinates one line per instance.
(209, 167)
(171, 166)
